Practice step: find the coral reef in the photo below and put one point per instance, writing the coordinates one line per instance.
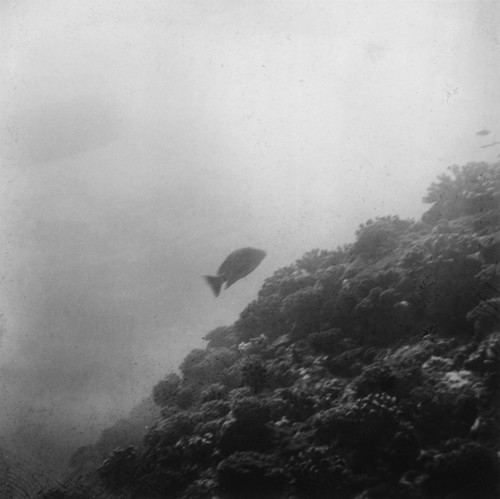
(371, 371)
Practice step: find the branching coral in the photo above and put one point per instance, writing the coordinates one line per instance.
(440, 302)
(202, 488)
(250, 372)
(251, 411)
(485, 316)
(439, 412)
(251, 475)
(122, 433)
(372, 430)
(371, 307)
(255, 374)
(388, 378)
(169, 430)
(327, 392)
(207, 366)
(462, 470)
(62, 493)
(166, 478)
(261, 316)
(326, 342)
(486, 358)
(472, 189)
(213, 409)
(221, 337)
(302, 310)
(371, 418)
(196, 449)
(215, 391)
(236, 436)
(350, 362)
(318, 473)
(378, 238)
(165, 391)
(488, 281)
(282, 372)
(299, 403)
(119, 470)
(248, 431)
(318, 260)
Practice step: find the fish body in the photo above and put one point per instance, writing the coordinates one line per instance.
(236, 266)
(491, 144)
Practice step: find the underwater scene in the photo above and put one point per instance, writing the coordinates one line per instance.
(250, 250)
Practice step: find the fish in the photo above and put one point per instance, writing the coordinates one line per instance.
(491, 144)
(236, 266)
(483, 132)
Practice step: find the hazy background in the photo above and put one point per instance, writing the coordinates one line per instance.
(143, 141)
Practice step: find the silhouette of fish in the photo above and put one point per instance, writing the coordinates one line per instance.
(483, 132)
(491, 144)
(236, 266)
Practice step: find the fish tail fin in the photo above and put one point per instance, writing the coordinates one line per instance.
(230, 282)
(215, 282)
